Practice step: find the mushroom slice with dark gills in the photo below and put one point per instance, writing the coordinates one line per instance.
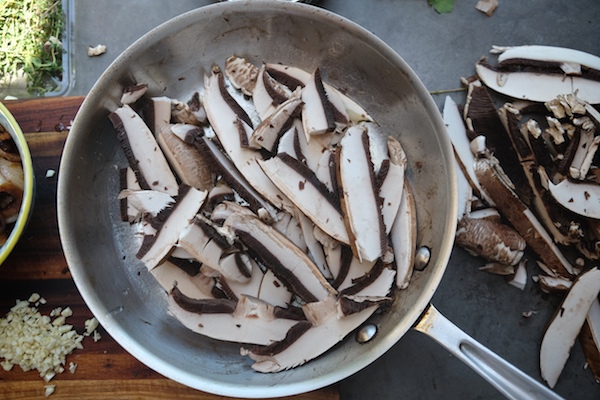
(176, 142)
(464, 157)
(270, 130)
(313, 247)
(311, 152)
(268, 94)
(262, 285)
(553, 284)
(317, 112)
(359, 194)
(537, 85)
(306, 341)
(219, 193)
(377, 281)
(570, 61)
(206, 244)
(133, 93)
(226, 121)
(294, 77)
(289, 225)
(277, 253)
(142, 151)
(242, 74)
(168, 224)
(566, 324)
(247, 320)
(590, 338)
(326, 172)
(140, 202)
(309, 194)
(127, 181)
(391, 175)
(483, 234)
(288, 142)
(234, 178)
(582, 198)
(189, 281)
(276, 83)
(499, 188)
(403, 237)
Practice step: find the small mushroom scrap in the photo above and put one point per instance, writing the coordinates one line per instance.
(488, 237)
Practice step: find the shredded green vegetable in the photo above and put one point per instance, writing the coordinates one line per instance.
(30, 42)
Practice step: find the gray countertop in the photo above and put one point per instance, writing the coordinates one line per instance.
(441, 48)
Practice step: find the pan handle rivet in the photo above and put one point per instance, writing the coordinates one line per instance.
(366, 333)
(422, 258)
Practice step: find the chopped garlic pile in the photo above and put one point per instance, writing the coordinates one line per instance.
(35, 341)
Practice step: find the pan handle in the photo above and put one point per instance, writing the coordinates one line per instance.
(505, 377)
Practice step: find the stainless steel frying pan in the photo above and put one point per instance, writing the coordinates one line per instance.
(172, 59)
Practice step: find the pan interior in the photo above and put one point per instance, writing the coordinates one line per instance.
(172, 59)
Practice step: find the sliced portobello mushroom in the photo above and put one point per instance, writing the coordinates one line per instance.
(206, 244)
(168, 224)
(142, 151)
(537, 86)
(307, 193)
(304, 342)
(403, 237)
(289, 264)
(226, 120)
(359, 193)
(248, 320)
(566, 325)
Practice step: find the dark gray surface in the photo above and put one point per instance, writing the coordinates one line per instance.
(441, 49)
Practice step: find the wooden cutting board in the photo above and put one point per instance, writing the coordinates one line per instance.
(37, 265)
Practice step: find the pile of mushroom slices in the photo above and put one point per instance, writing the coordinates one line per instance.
(12, 184)
(272, 209)
(531, 178)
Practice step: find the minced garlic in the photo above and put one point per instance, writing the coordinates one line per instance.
(35, 341)
(48, 390)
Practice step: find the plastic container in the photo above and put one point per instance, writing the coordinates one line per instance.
(18, 88)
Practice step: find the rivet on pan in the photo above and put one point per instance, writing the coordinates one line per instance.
(422, 258)
(366, 333)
